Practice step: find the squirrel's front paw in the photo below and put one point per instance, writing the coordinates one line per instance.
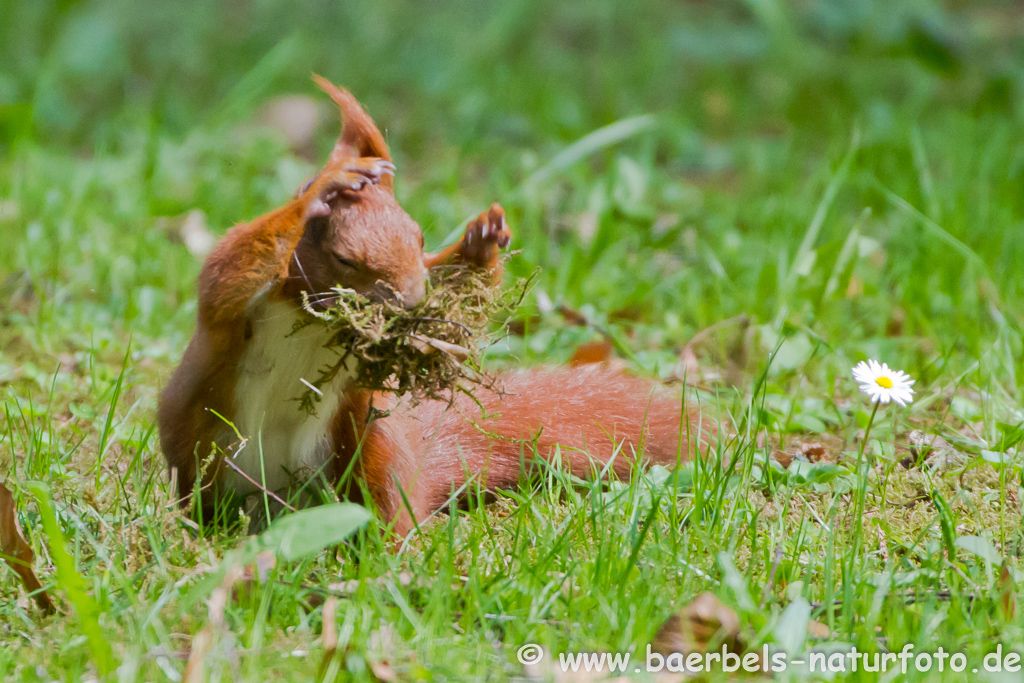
(353, 177)
(366, 171)
(486, 235)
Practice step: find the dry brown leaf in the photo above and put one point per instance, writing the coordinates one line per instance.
(597, 351)
(329, 638)
(517, 327)
(297, 118)
(330, 624)
(825, 448)
(630, 313)
(572, 316)
(855, 288)
(17, 552)
(383, 671)
(783, 458)
(894, 325)
(689, 365)
(381, 648)
(814, 451)
(816, 629)
(258, 569)
(586, 226)
(203, 641)
(704, 625)
(265, 561)
(381, 643)
(1007, 594)
(201, 644)
(196, 234)
(705, 622)
(68, 363)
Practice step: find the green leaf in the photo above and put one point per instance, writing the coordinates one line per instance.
(981, 547)
(1011, 436)
(808, 423)
(822, 473)
(791, 630)
(292, 537)
(735, 580)
(803, 472)
(997, 459)
(307, 532)
(800, 471)
(679, 480)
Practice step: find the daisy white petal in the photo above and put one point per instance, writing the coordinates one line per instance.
(883, 384)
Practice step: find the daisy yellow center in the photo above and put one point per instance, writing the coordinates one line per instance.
(884, 382)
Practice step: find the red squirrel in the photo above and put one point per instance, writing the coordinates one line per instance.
(233, 395)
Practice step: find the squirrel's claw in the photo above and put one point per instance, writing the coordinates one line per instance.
(353, 177)
(367, 170)
(372, 166)
(486, 235)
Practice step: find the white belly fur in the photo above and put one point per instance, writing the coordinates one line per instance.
(284, 444)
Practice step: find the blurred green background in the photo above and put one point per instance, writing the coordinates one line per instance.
(116, 117)
(849, 175)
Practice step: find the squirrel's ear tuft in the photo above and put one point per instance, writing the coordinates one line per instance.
(359, 135)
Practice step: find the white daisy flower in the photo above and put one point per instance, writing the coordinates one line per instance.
(883, 384)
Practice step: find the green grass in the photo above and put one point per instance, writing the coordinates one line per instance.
(847, 175)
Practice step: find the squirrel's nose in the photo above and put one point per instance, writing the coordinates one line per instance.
(408, 296)
(414, 292)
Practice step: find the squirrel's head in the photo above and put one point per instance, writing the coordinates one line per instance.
(361, 239)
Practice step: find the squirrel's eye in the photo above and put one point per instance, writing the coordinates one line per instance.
(345, 262)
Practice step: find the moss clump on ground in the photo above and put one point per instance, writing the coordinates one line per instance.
(426, 352)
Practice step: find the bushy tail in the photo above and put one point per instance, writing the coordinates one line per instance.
(416, 458)
(591, 412)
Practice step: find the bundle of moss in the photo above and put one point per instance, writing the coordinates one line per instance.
(426, 352)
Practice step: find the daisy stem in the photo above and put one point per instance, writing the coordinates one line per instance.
(862, 489)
